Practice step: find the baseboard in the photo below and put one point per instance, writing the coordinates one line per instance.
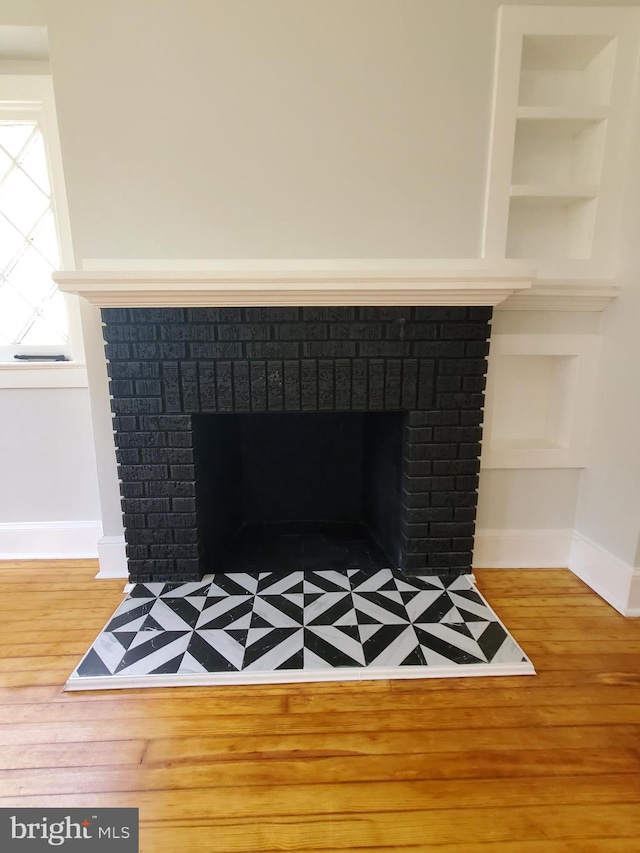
(112, 557)
(613, 579)
(522, 549)
(49, 540)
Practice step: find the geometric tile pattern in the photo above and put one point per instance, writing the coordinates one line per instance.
(303, 622)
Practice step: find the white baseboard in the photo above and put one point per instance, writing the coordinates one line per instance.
(522, 549)
(613, 579)
(113, 557)
(49, 540)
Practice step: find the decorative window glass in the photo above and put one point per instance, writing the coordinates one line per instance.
(33, 315)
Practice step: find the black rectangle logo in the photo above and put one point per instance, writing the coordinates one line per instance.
(80, 830)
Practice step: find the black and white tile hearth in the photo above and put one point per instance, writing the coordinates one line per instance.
(303, 626)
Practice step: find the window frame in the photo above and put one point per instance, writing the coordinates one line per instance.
(31, 97)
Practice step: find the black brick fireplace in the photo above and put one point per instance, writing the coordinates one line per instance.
(320, 420)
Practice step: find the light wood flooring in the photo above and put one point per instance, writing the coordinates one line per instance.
(542, 764)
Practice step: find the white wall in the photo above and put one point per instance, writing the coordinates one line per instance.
(293, 128)
(609, 506)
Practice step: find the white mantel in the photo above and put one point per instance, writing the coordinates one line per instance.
(298, 282)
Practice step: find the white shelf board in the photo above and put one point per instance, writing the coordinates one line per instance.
(553, 194)
(573, 112)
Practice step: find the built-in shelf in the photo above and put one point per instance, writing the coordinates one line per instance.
(566, 70)
(558, 151)
(551, 227)
(560, 134)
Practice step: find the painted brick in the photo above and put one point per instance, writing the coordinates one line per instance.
(384, 349)
(451, 467)
(189, 386)
(392, 384)
(376, 384)
(189, 332)
(171, 488)
(356, 331)
(326, 385)
(329, 314)
(258, 380)
(224, 391)
(241, 387)
(418, 452)
(207, 385)
(343, 384)
(309, 385)
(291, 385)
(273, 349)
(359, 384)
(157, 315)
(271, 315)
(302, 331)
(214, 315)
(136, 405)
(158, 351)
(218, 350)
(244, 332)
(328, 349)
(275, 386)
(409, 393)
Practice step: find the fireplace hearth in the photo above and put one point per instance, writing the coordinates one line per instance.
(349, 434)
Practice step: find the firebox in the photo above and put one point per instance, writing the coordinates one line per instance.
(276, 492)
(279, 438)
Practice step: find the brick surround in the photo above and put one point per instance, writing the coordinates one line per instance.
(168, 364)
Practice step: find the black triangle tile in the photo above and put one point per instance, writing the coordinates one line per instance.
(296, 661)
(92, 665)
(150, 624)
(414, 658)
(156, 641)
(125, 638)
(471, 617)
(171, 666)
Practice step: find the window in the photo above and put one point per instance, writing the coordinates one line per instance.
(34, 315)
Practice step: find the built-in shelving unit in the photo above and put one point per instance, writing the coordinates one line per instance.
(559, 144)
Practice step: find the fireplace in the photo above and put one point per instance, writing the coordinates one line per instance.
(350, 434)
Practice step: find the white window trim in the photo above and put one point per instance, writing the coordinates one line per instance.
(32, 95)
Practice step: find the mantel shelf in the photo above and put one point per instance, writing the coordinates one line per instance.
(345, 282)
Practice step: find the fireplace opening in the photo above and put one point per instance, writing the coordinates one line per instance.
(283, 491)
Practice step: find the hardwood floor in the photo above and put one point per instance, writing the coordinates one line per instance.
(548, 763)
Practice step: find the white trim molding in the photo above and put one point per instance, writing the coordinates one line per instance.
(303, 282)
(521, 549)
(113, 557)
(49, 540)
(613, 579)
(54, 375)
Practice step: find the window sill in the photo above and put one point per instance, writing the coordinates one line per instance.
(59, 374)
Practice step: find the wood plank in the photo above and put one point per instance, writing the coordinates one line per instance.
(209, 802)
(548, 763)
(42, 756)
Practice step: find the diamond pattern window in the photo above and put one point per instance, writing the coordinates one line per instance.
(33, 313)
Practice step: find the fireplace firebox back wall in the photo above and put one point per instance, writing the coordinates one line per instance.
(417, 489)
